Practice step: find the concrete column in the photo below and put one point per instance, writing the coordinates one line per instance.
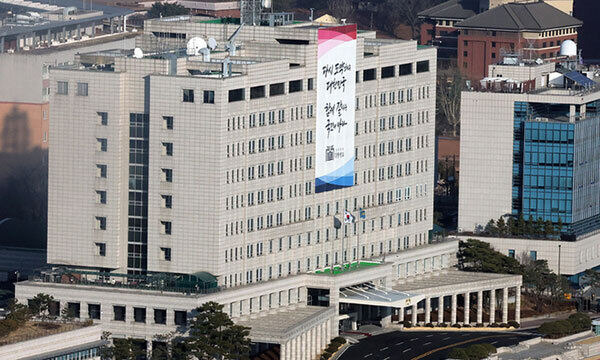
(284, 351)
(64, 33)
(414, 314)
(323, 335)
(467, 307)
(328, 332)
(440, 309)
(315, 341)
(78, 30)
(303, 347)
(112, 26)
(492, 306)
(572, 113)
(49, 37)
(18, 43)
(453, 310)
(518, 304)
(427, 310)
(93, 34)
(505, 305)
(401, 315)
(1, 45)
(480, 307)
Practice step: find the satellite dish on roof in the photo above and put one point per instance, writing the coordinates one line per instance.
(138, 53)
(568, 48)
(195, 45)
(212, 43)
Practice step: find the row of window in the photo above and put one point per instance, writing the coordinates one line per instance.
(319, 261)
(179, 317)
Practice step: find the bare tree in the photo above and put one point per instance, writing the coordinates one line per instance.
(450, 84)
(392, 13)
(341, 9)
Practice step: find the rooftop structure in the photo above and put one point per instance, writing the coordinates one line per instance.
(532, 30)
(42, 23)
(439, 22)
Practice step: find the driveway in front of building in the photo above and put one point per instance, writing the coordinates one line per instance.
(435, 345)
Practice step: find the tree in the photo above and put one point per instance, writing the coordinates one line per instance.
(491, 228)
(121, 349)
(40, 304)
(18, 312)
(475, 255)
(166, 9)
(501, 226)
(341, 9)
(450, 85)
(214, 336)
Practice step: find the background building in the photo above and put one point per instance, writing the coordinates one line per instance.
(438, 22)
(528, 30)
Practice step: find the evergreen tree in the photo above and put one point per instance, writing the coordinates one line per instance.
(490, 228)
(501, 226)
(549, 229)
(165, 10)
(521, 227)
(214, 336)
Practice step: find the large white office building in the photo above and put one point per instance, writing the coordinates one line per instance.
(177, 179)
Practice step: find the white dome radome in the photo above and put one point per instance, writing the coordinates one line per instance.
(194, 46)
(568, 48)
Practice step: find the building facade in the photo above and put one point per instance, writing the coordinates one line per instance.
(526, 30)
(178, 179)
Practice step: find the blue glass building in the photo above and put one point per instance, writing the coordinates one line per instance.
(556, 165)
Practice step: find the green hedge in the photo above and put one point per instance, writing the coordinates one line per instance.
(472, 352)
(576, 323)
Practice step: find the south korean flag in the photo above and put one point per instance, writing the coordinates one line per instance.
(348, 218)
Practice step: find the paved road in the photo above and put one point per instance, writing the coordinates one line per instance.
(425, 345)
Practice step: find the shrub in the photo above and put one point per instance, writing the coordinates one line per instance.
(479, 325)
(442, 325)
(429, 325)
(504, 325)
(332, 348)
(458, 353)
(7, 326)
(338, 340)
(580, 322)
(457, 325)
(407, 324)
(514, 324)
(466, 325)
(494, 325)
(480, 351)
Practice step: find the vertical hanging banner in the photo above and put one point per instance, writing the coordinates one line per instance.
(336, 92)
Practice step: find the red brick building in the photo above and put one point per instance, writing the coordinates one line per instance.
(526, 30)
(437, 25)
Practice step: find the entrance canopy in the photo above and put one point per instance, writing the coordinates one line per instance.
(369, 294)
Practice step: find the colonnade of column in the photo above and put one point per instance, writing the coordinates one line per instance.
(309, 344)
(490, 302)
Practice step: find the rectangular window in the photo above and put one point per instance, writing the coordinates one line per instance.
(100, 223)
(74, 309)
(369, 74)
(102, 144)
(511, 253)
(188, 95)
(533, 255)
(167, 175)
(388, 72)
(422, 66)
(139, 315)
(160, 316)
(276, 89)
(166, 253)
(103, 117)
(119, 312)
(101, 196)
(167, 148)
(209, 97)
(62, 87)
(82, 89)
(295, 86)
(180, 318)
(257, 92)
(311, 84)
(101, 249)
(167, 201)
(405, 69)
(166, 227)
(236, 95)
(168, 122)
(94, 311)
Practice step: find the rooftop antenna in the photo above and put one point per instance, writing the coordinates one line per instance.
(230, 46)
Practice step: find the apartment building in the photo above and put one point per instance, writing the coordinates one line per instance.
(177, 179)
